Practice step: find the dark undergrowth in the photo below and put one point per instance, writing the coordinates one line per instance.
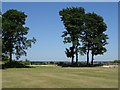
(14, 64)
(79, 64)
(24, 64)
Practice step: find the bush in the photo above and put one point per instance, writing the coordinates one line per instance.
(64, 64)
(27, 62)
(38, 63)
(14, 64)
(116, 61)
(79, 64)
(51, 62)
(5, 58)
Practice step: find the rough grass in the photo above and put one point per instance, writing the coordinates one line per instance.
(58, 77)
(1, 62)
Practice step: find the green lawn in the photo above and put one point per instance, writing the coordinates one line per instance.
(58, 77)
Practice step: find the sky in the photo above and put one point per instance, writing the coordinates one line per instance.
(60, 0)
(46, 26)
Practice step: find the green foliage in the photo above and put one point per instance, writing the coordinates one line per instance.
(0, 35)
(64, 64)
(96, 38)
(0, 23)
(52, 63)
(39, 63)
(86, 29)
(5, 58)
(116, 61)
(26, 62)
(14, 64)
(73, 21)
(69, 52)
(79, 64)
(14, 34)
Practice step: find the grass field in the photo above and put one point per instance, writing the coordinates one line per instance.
(58, 77)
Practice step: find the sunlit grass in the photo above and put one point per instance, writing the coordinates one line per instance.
(58, 77)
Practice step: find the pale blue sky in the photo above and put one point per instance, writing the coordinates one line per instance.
(45, 25)
(60, 0)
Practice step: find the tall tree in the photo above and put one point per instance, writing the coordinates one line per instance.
(0, 35)
(94, 38)
(13, 34)
(73, 21)
(99, 38)
(86, 36)
(0, 23)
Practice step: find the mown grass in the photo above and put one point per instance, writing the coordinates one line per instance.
(58, 77)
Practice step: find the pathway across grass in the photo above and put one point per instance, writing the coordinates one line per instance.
(58, 77)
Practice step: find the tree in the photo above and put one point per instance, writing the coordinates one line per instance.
(0, 35)
(0, 23)
(98, 45)
(94, 38)
(13, 34)
(73, 21)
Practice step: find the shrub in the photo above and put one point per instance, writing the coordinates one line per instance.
(14, 64)
(116, 61)
(79, 64)
(64, 64)
(51, 62)
(38, 63)
(5, 58)
(27, 62)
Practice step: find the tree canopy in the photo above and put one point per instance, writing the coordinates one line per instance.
(94, 38)
(85, 31)
(14, 34)
(73, 21)
(0, 24)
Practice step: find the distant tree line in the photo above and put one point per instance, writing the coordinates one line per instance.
(84, 31)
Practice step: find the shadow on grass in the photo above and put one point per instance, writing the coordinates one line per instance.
(14, 64)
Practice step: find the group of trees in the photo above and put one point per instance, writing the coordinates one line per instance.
(14, 40)
(85, 31)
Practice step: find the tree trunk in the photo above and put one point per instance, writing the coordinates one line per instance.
(72, 60)
(10, 52)
(92, 58)
(88, 56)
(73, 54)
(10, 56)
(77, 55)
